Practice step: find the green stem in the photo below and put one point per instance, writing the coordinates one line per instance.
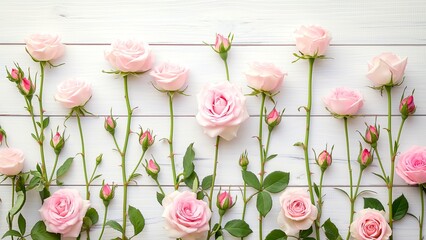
(13, 204)
(41, 136)
(392, 172)
(348, 152)
(53, 170)
(380, 163)
(83, 155)
(159, 186)
(318, 221)
(422, 213)
(103, 223)
(262, 157)
(172, 155)
(400, 132)
(227, 69)
(137, 166)
(216, 154)
(358, 183)
(245, 201)
(93, 174)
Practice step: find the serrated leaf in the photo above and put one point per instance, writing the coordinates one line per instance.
(276, 234)
(251, 180)
(276, 181)
(188, 158)
(22, 224)
(19, 203)
(136, 219)
(62, 170)
(11, 233)
(46, 122)
(160, 198)
(399, 208)
(38, 232)
(207, 182)
(238, 228)
(306, 233)
(331, 231)
(264, 203)
(373, 203)
(114, 225)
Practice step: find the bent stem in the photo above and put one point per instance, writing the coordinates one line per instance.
(381, 165)
(136, 167)
(216, 154)
(352, 199)
(53, 170)
(103, 223)
(172, 155)
(392, 156)
(422, 213)
(83, 155)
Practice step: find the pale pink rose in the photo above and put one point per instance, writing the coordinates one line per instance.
(185, 216)
(264, 77)
(11, 161)
(106, 191)
(344, 101)
(221, 109)
(63, 212)
(297, 212)
(222, 44)
(44, 47)
(386, 69)
(370, 224)
(411, 165)
(130, 55)
(73, 93)
(153, 166)
(312, 40)
(170, 77)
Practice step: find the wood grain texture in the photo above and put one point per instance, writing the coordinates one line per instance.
(176, 30)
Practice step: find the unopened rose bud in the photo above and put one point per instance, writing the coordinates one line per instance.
(107, 193)
(244, 161)
(407, 107)
(99, 159)
(2, 135)
(371, 135)
(57, 142)
(146, 139)
(26, 87)
(273, 119)
(14, 75)
(110, 125)
(324, 160)
(223, 45)
(365, 158)
(152, 168)
(224, 202)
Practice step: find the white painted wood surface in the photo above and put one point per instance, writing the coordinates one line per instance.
(263, 31)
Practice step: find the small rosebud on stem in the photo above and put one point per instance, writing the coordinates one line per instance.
(152, 168)
(224, 202)
(273, 119)
(365, 158)
(26, 87)
(57, 142)
(372, 135)
(110, 124)
(244, 161)
(146, 139)
(407, 107)
(99, 159)
(107, 193)
(324, 159)
(3, 136)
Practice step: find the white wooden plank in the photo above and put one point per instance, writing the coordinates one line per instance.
(143, 198)
(347, 67)
(253, 22)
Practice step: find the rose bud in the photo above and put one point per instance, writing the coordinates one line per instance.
(365, 158)
(57, 142)
(223, 45)
(371, 135)
(146, 139)
(407, 107)
(273, 119)
(110, 125)
(14, 75)
(244, 161)
(27, 88)
(324, 160)
(2, 135)
(152, 168)
(224, 202)
(99, 159)
(107, 193)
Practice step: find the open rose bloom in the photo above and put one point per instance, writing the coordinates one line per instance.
(264, 77)
(370, 224)
(63, 212)
(386, 69)
(11, 161)
(221, 109)
(297, 212)
(185, 216)
(411, 165)
(73, 93)
(170, 77)
(312, 40)
(343, 102)
(44, 47)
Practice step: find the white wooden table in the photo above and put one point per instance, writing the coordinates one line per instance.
(176, 29)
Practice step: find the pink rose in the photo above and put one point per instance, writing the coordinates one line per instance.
(221, 109)
(11, 161)
(312, 40)
(44, 47)
(297, 212)
(343, 101)
(170, 77)
(264, 77)
(386, 69)
(222, 43)
(73, 93)
(185, 216)
(130, 56)
(63, 212)
(370, 224)
(411, 165)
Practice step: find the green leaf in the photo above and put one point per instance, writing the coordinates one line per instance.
(238, 228)
(264, 203)
(190, 180)
(373, 203)
(134, 176)
(34, 136)
(11, 233)
(160, 198)
(276, 181)
(299, 144)
(331, 231)
(399, 207)
(93, 215)
(188, 158)
(271, 157)
(276, 235)
(38, 232)
(19, 203)
(251, 180)
(22, 224)
(46, 122)
(306, 233)
(62, 170)
(137, 220)
(114, 225)
(87, 224)
(207, 182)
(316, 189)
